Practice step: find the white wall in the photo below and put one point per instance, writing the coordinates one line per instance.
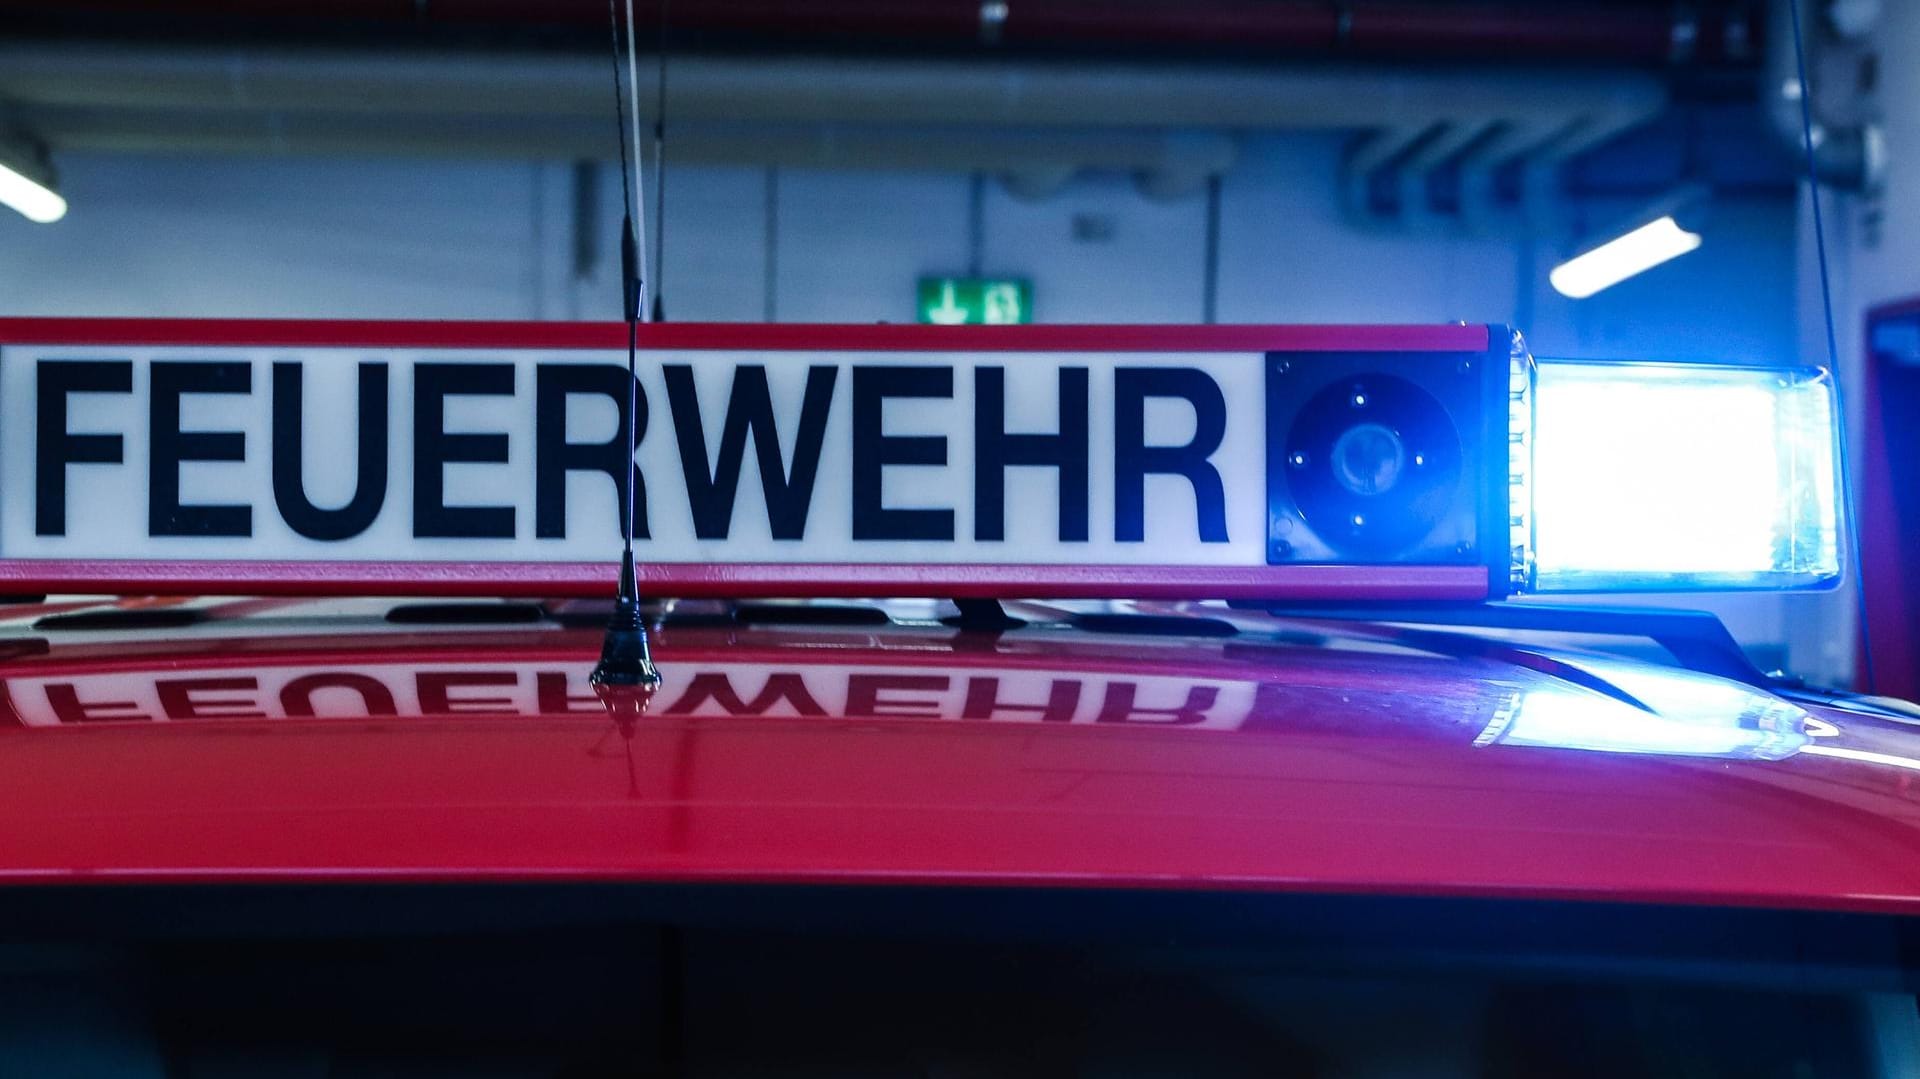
(397, 239)
(173, 236)
(404, 239)
(1878, 265)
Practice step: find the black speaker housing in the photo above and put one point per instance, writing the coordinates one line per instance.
(1448, 411)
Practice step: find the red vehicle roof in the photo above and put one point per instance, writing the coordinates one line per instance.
(1284, 756)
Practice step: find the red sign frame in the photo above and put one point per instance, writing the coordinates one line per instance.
(1293, 582)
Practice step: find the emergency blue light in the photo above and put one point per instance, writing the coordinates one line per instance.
(1680, 477)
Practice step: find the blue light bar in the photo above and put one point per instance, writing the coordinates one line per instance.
(1683, 477)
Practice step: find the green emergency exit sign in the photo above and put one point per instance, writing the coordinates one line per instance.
(977, 301)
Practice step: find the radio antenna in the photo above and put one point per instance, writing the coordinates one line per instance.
(660, 176)
(1833, 346)
(626, 661)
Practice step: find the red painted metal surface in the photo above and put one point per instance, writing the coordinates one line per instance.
(1296, 768)
(1448, 337)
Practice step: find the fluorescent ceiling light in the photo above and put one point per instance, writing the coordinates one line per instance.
(1623, 256)
(36, 199)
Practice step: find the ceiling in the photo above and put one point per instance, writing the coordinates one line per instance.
(1453, 108)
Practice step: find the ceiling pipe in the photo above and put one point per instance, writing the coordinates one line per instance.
(1433, 155)
(1484, 31)
(1484, 181)
(1167, 123)
(1499, 164)
(1850, 156)
(1367, 160)
(1042, 160)
(42, 78)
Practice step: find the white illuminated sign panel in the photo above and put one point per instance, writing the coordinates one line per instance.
(475, 455)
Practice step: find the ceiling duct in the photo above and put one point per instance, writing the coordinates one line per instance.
(1848, 151)
(1172, 125)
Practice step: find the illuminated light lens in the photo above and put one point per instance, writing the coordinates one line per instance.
(1368, 458)
(1671, 477)
(1622, 257)
(35, 201)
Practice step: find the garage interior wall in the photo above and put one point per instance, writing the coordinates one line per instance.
(384, 238)
(399, 238)
(1871, 240)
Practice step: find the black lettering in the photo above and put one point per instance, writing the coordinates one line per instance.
(719, 689)
(1119, 707)
(170, 446)
(296, 697)
(370, 483)
(179, 701)
(983, 700)
(554, 456)
(864, 695)
(437, 699)
(54, 449)
(873, 451)
(1133, 459)
(995, 450)
(712, 490)
(434, 448)
(67, 707)
(553, 691)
